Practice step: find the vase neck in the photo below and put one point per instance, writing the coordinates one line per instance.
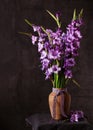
(59, 90)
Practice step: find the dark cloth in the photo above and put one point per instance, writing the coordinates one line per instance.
(78, 126)
(43, 121)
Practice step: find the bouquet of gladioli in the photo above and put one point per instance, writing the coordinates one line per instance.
(58, 49)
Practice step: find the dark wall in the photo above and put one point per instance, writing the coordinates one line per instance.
(23, 89)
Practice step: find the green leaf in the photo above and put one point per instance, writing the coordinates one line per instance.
(58, 23)
(66, 81)
(55, 18)
(75, 82)
(46, 33)
(43, 29)
(51, 15)
(56, 80)
(28, 22)
(24, 33)
(74, 15)
(80, 14)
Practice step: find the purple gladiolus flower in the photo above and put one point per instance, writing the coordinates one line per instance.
(43, 54)
(36, 28)
(58, 49)
(34, 39)
(75, 52)
(69, 63)
(78, 34)
(48, 72)
(40, 47)
(54, 54)
(41, 39)
(49, 31)
(46, 45)
(68, 74)
(76, 116)
(56, 69)
(45, 63)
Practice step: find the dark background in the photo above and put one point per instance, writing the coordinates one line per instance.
(23, 89)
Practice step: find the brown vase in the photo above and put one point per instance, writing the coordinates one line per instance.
(59, 103)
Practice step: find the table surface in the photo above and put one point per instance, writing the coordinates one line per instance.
(43, 121)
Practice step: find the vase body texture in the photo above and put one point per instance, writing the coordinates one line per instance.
(59, 103)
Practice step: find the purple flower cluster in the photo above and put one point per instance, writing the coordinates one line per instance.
(72, 44)
(51, 49)
(58, 49)
(76, 116)
(58, 46)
